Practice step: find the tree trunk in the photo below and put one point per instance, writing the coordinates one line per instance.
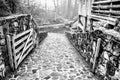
(68, 9)
(75, 10)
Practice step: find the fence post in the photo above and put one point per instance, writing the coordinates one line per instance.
(80, 20)
(13, 48)
(85, 23)
(97, 49)
(91, 25)
(10, 52)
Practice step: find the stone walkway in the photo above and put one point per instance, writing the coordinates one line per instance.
(54, 59)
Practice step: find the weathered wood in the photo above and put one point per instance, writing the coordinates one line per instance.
(85, 23)
(23, 33)
(22, 40)
(17, 57)
(108, 8)
(20, 51)
(13, 16)
(10, 52)
(109, 20)
(111, 32)
(27, 53)
(106, 1)
(14, 55)
(96, 54)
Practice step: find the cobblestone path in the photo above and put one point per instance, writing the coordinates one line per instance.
(54, 59)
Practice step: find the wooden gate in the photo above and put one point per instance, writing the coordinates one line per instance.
(22, 44)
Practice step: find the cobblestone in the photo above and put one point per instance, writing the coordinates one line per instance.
(54, 59)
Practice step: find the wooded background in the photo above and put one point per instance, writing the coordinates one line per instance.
(63, 9)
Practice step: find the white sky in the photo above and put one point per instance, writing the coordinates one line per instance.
(50, 3)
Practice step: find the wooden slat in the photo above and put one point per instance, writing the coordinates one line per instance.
(27, 52)
(23, 33)
(24, 55)
(29, 45)
(115, 6)
(29, 41)
(18, 49)
(105, 7)
(105, 19)
(21, 40)
(13, 16)
(115, 0)
(100, 2)
(18, 56)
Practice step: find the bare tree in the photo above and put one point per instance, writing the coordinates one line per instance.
(68, 9)
(75, 9)
(55, 6)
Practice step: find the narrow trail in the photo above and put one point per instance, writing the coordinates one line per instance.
(54, 59)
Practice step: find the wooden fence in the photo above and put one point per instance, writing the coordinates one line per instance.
(18, 36)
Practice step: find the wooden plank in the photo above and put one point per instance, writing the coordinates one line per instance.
(18, 56)
(18, 49)
(24, 56)
(96, 54)
(21, 40)
(13, 16)
(29, 45)
(27, 52)
(100, 2)
(105, 19)
(10, 53)
(23, 33)
(115, 6)
(115, 0)
(14, 54)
